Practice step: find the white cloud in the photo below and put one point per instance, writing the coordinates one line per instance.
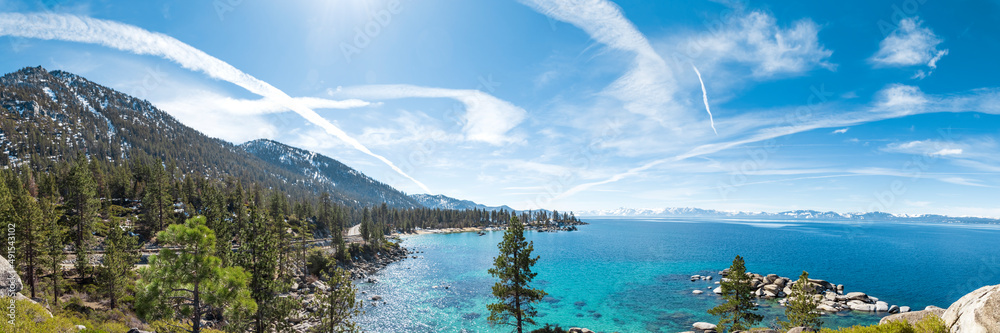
(948, 151)
(757, 41)
(841, 131)
(487, 118)
(704, 97)
(910, 45)
(902, 96)
(133, 39)
(648, 86)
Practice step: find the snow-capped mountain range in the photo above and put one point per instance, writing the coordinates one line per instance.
(787, 215)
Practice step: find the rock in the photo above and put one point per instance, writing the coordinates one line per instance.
(703, 326)
(768, 293)
(772, 288)
(136, 330)
(718, 290)
(931, 307)
(376, 298)
(80, 327)
(859, 306)
(881, 306)
(10, 283)
(830, 296)
(697, 292)
(904, 309)
(787, 291)
(781, 282)
(978, 311)
(873, 298)
(840, 289)
(912, 317)
(771, 278)
(800, 329)
(827, 308)
(695, 277)
(856, 296)
(579, 330)
(893, 308)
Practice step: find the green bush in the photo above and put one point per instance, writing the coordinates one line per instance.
(319, 262)
(930, 324)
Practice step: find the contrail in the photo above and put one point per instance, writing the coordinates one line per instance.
(704, 96)
(133, 39)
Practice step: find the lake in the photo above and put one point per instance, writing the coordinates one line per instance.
(632, 274)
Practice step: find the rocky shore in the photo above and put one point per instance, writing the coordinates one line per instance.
(831, 297)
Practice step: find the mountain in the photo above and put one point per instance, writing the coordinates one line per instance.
(320, 168)
(787, 215)
(445, 202)
(52, 116)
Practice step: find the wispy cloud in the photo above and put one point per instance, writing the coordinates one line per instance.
(756, 40)
(648, 87)
(910, 45)
(704, 97)
(897, 101)
(840, 131)
(487, 119)
(133, 39)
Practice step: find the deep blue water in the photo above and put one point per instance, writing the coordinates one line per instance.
(631, 275)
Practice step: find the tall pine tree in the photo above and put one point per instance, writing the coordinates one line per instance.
(515, 296)
(121, 252)
(736, 314)
(81, 198)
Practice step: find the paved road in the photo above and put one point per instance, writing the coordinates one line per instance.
(354, 231)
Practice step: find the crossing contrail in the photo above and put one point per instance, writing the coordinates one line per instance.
(73, 28)
(704, 96)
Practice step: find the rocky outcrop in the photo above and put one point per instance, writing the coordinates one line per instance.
(10, 282)
(913, 317)
(703, 326)
(978, 311)
(831, 296)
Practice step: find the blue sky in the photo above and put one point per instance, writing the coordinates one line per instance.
(847, 106)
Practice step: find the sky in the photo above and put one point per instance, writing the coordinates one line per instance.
(848, 106)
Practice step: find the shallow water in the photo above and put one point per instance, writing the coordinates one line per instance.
(631, 275)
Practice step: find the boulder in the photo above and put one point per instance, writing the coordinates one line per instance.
(978, 311)
(904, 309)
(718, 290)
(579, 330)
(893, 308)
(136, 330)
(697, 292)
(703, 326)
(695, 277)
(856, 296)
(771, 278)
(10, 283)
(912, 317)
(830, 296)
(881, 306)
(826, 308)
(787, 291)
(858, 306)
(800, 329)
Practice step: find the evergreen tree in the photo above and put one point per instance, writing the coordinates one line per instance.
(26, 217)
(55, 235)
(81, 199)
(801, 307)
(736, 314)
(513, 267)
(259, 251)
(188, 282)
(121, 252)
(337, 306)
(156, 202)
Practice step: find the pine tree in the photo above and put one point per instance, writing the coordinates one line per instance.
(156, 210)
(513, 267)
(259, 252)
(801, 307)
(121, 252)
(81, 199)
(736, 314)
(337, 306)
(53, 254)
(24, 214)
(189, 282)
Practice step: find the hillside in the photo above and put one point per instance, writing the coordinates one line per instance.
(53, 116)
(441, 201)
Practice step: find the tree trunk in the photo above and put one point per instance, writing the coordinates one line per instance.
(196, 321)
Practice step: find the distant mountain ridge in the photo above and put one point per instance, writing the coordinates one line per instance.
(441, 201)
(786, 215)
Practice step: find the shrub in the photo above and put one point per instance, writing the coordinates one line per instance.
(930, 324)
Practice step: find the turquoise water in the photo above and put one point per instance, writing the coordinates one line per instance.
(631, 275)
